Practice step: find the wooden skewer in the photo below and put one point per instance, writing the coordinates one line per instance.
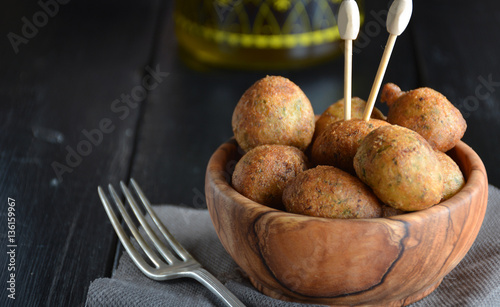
(348, 79)
(348, 24)
(379, 76)
(397, 20)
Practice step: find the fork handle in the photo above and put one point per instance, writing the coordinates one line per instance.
(214, 285)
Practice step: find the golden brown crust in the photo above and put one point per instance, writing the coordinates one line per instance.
(429, 113)
(273, 110)
(390, 93)
(262, 173)
(401, 168)
(338, 143)
(453, 177)
(335, 112)
(326, 191)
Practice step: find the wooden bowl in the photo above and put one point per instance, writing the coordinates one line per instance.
(383, 261)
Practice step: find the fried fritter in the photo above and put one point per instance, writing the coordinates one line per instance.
(401, 168)
(326, 191)
(427, 112)
(453, 178)
(274, 110)
(261, 174)
(388, 211)
(338, 143)
(335, 112)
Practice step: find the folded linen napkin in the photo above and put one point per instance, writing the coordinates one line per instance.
(474, 282)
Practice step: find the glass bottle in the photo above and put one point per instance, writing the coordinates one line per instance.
(258, 34)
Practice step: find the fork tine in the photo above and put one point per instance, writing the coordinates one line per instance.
(122, 235)
(145, 225)
(190, 268)
(183, 253)
(135, 232)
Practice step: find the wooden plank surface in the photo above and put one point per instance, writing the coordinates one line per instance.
(457, 47)
(58, 94)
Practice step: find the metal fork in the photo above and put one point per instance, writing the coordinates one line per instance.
(171, 266)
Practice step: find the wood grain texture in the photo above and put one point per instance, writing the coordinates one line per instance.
(60, 84)
(383, 261)
(457, 56)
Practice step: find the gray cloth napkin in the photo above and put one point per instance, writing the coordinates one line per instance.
(474, 282)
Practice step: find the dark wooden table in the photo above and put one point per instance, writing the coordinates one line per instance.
(64, 89)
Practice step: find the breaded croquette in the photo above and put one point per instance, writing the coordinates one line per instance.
(427, 112)
(401, 168)
(261, 174)
(453, 178)
(335, 112)
(326, 191)
(338, 143)
(274, 110)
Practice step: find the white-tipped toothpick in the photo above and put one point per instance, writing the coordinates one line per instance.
(348, 23)
(397, 20)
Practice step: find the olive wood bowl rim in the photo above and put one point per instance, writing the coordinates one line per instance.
(221, 178)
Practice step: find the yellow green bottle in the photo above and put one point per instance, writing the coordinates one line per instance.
(264, 34)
